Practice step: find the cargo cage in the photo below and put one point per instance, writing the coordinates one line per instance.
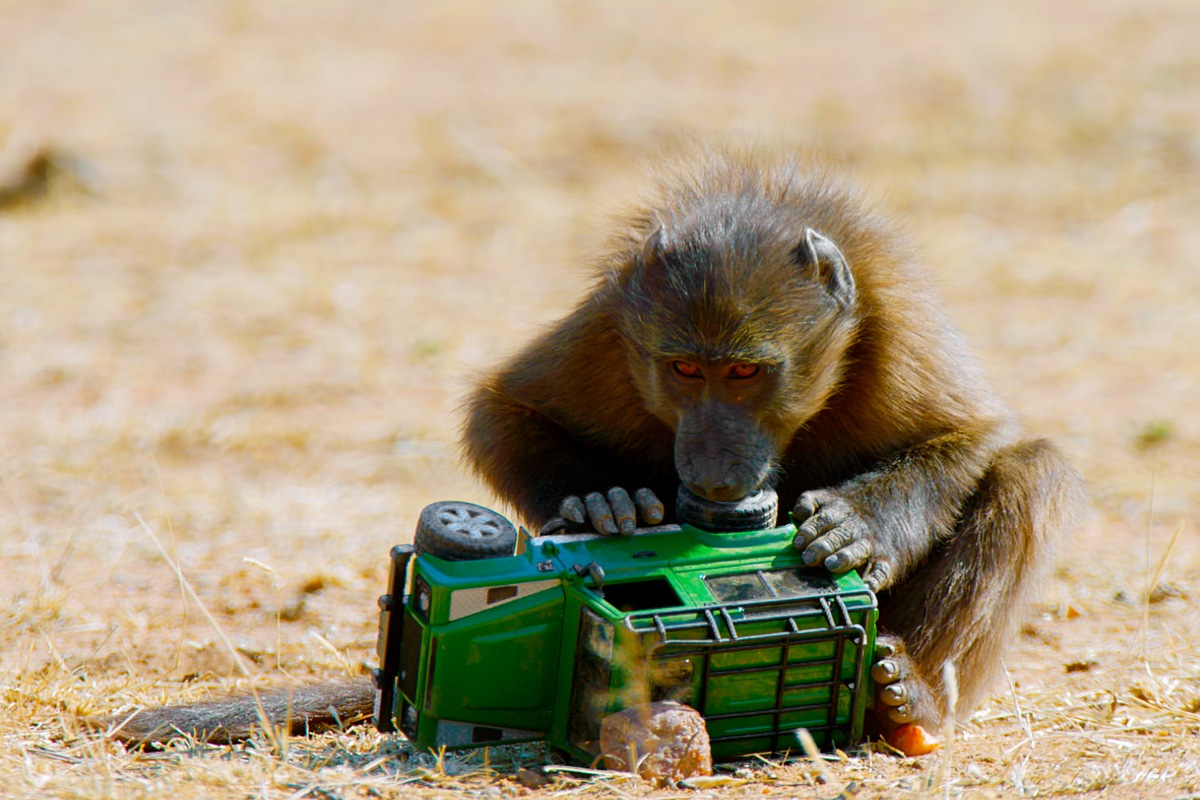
(714, 631)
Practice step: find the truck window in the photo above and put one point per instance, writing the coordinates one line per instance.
(642, 595)
(766, 584)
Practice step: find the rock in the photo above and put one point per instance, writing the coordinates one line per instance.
(665, 741)
(533, 778)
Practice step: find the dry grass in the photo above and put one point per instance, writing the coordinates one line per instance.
(271, 242)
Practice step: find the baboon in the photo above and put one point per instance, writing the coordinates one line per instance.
(757, 324)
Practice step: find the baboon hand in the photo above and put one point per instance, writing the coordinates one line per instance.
(614, 512)
(831, 532)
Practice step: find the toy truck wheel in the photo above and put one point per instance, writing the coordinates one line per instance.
(754, 513)
(456, 531)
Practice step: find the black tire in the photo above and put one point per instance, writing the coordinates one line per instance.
(457, 531)
(753, 513)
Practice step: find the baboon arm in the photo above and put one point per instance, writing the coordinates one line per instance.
(527, 458)
(912, 501)
(564, 418)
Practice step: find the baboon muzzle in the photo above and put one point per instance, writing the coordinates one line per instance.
(722, 456)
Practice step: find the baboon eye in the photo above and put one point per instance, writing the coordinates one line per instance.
(743, 371)
(686, 368)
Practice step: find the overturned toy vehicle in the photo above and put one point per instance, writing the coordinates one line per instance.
(489, 635)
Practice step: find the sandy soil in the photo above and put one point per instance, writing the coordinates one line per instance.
(268, 245)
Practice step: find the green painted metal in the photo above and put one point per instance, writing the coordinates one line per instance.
(528, 647)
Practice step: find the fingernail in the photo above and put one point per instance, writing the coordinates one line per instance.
(609, 526)
(884, 671)
(833, 563)
(627, 526)
(809, 557)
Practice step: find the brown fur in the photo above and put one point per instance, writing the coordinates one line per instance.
(874, 404)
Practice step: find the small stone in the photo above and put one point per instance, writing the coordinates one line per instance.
(666, 741)
(533, 779)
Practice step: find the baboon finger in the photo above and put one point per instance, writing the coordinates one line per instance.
(600, 514)
(571, 509)
(649, 506)
(879, 576)
(829, 543)
(885, 671)
(815, 526)
(552, 526)
(901, 714)
(886, 646)
(852, 555)
(895, 695)
(809, 502)
(622, 510)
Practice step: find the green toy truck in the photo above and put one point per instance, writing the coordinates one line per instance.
(492, 636)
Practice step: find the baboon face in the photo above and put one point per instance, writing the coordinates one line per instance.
(725, 446)
(734, 343)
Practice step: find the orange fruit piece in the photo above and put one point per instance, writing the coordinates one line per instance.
(913, 740)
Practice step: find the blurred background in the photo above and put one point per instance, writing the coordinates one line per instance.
(252, 254)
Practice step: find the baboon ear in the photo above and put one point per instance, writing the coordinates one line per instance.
(656, 244)
(829, 266)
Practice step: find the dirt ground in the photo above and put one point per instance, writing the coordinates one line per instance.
(252, 253)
